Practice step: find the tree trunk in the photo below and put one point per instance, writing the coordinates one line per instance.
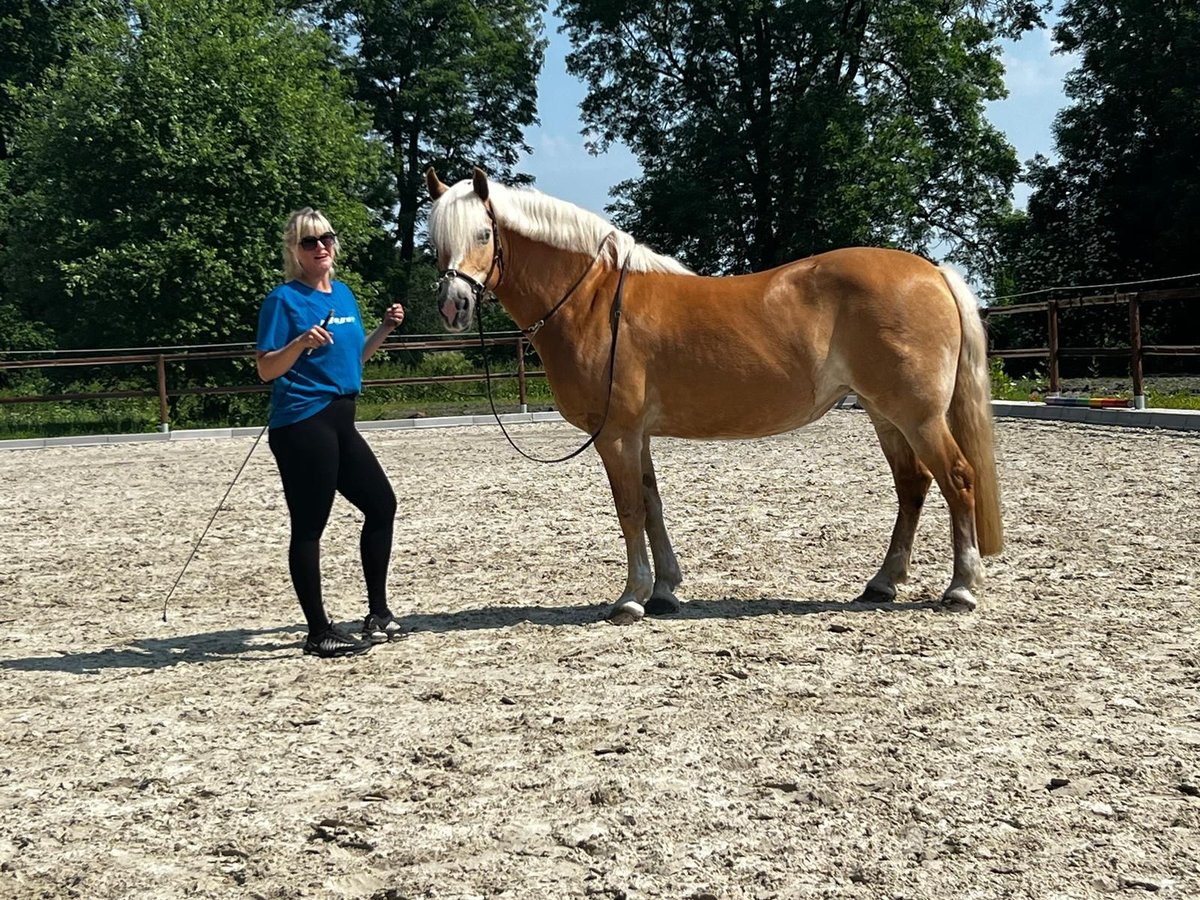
(407, 189)
(766, 241)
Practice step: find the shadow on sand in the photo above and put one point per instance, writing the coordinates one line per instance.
(216, 646)
(724, 608)
(160, 653)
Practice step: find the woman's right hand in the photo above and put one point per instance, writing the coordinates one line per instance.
(315, 337)
(277, 362)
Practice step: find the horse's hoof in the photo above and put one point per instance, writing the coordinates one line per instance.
(875, 595)
(958, 600)
(662, 606)
(626, 613)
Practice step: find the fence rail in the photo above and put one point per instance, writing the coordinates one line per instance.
(1053, 352)
(163, 391)
(1136, 351)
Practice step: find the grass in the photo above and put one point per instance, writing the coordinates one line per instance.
(1181, 399)
(134, 416)
(140, 415)
(66, 418)
(1164, 392)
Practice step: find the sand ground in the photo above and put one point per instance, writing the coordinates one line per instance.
(773, 740)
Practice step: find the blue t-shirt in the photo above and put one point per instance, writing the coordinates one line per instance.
(330, 371)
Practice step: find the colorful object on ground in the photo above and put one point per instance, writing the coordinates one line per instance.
(1091, 402)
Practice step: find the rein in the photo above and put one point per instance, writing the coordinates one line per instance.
(615, 321)
(480, 291)
(537, 326)
(212, 519)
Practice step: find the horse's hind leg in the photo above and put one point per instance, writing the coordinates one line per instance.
(938, 450)
(622, 457)
(912, 481)
(667, 576)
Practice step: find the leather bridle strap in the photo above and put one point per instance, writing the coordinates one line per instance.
(615, 321)
(479, 288)
(537, 326)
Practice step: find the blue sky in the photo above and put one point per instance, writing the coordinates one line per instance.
(564, 168)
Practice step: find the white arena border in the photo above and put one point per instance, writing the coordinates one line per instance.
(1176, 419)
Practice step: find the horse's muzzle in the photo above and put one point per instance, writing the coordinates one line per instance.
(456, 302)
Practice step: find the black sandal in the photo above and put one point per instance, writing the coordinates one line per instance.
(379, 629)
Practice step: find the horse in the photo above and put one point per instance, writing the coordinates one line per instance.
(635, 346)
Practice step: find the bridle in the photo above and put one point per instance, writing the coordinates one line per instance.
(482, 294)
(479, 289)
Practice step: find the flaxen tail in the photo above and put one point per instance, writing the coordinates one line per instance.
(971, 416)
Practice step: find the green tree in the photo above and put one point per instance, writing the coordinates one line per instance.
(34, 37)
(778, 128)
(152, 177)
(451, 83)
(1123, 200)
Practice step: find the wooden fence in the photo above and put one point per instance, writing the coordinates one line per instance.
(1136, 351)
(164, 391)
(1053, 352)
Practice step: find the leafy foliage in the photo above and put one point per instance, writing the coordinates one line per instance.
(34, 38)
(1123, 201)
(780, 128)
(153, 174)
(451, 83)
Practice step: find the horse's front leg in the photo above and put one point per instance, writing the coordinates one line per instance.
(622, 458)
(667, 576)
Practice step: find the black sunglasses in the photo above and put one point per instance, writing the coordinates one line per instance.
(326, 240)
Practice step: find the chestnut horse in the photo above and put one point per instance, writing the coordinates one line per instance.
(635, 345)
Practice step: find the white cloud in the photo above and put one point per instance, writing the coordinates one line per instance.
(1034, 76)
(1032, 67)
(554, 147)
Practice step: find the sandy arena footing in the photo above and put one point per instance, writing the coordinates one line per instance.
(773, 740)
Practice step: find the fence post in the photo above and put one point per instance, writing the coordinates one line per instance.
(521, 373)
(163, 425)
(1052, 312)
(1135, 352)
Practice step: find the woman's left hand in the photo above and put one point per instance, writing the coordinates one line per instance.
(393, 316)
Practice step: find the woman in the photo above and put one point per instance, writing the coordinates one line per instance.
(311, 344)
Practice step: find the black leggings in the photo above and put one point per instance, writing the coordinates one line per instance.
(316, 457)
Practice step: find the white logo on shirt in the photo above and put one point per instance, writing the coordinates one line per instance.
(341, 320)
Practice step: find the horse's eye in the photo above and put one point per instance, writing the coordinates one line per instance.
(482, 235)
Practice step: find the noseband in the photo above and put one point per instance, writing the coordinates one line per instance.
(479, 289)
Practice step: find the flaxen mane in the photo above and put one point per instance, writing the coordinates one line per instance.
(542, 218)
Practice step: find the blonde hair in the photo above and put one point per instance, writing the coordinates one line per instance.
(300, 224)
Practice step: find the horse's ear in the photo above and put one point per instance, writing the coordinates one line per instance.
(436, 188)
(479, 182)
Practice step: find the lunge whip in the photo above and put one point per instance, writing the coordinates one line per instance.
(213, 518)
